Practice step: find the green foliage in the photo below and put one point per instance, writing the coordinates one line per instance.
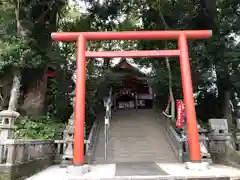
(16, 53)
(16, 49)
(41, 128)
(214, 62)
(58, 103)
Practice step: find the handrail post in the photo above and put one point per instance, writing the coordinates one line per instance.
(106, 136)
(107, 121)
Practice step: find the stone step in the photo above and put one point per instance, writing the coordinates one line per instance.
(134, 134)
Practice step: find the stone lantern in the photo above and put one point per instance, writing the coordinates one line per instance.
(7, 119)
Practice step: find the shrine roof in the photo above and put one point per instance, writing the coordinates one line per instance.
(126, 75)
(125, 70)
(124, 65)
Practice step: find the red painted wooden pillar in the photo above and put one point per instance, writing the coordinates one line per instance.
(79, 112)
(193, 137)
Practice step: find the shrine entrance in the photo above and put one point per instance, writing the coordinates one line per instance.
(131, 88)
(182, 52)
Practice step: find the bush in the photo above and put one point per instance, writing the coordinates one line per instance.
(41, 128)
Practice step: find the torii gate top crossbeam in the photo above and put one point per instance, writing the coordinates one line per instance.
(132, 35)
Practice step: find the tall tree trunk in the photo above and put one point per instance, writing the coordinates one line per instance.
(228, 109)
(34, 99)
(224, 86)
(172, 99)
(106, 63)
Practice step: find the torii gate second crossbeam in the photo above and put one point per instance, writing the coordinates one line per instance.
(182, 52)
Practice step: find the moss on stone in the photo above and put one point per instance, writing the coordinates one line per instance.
(24, 170)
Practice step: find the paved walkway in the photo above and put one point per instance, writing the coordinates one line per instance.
(137, 149)
(135, 135)
(144, 171)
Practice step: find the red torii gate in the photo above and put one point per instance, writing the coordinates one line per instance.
(182, 52)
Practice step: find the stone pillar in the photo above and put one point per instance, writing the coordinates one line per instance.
(68, 151)
(68, 143)
(68, 139)
(206, 157)
(7, 119)
(238, 129)
(68, 134)
(115, 101)
(136, 100)
(238, 135)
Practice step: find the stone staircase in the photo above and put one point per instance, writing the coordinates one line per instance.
(135, 135)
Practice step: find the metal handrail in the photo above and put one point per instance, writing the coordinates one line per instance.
(108, 115)
(91, 141)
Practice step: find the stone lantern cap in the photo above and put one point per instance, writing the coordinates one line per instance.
(9, 113)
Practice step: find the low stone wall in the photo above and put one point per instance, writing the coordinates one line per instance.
(20, 159)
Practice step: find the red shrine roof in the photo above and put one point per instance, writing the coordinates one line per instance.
(125, 75)
(124, 66)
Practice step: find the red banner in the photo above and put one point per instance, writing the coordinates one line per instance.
(180, 113)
